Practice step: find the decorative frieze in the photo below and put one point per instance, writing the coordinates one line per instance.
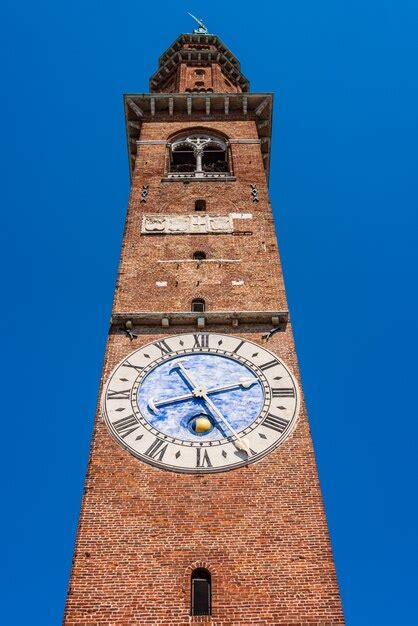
(186, 224)
(241, 216)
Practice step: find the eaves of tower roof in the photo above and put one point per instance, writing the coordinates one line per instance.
(198, 39)
(177, 53)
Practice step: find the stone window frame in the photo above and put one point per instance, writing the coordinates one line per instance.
(198, 139)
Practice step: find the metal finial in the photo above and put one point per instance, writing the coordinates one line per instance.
(202, 30)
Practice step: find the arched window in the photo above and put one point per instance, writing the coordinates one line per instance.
(199, 255)
(199, 155)
(200, 205)
(201, 600)
(198, 305)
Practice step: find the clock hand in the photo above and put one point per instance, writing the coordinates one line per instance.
(201, 392)
(240, 443)
(195, 387)
(246, 383)
(154, 406)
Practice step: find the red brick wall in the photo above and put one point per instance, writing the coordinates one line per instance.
(261, 529)
(254, 256)
(213, 79)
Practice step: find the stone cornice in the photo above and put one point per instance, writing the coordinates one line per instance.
(199, 39)
(186, 318)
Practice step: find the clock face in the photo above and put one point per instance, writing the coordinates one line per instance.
(200, 402)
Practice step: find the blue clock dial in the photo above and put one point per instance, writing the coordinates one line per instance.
(200, 397)
(200, 402)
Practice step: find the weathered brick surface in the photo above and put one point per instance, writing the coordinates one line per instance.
(250, 254)
(213, 79)
(260, 530)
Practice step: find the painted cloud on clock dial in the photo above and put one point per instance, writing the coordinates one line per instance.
(239, 406)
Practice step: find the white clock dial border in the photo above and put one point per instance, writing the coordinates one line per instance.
(153, 444)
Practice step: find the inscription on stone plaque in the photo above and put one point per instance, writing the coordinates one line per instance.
(186, 224)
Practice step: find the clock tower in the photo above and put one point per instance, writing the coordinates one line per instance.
(202, 502)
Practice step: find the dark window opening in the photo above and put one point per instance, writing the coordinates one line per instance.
(199, 255)
(200, 205)
(214, 160)
(199, 83)
(198, 306)
(201, 592)
(200, 72)
(183, 159)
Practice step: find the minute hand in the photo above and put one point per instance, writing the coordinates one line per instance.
(246, 383)
(240, 443)
(188, 377)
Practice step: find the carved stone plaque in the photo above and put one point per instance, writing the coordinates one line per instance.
(186, 224)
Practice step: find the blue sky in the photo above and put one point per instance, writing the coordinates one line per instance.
(344, 192)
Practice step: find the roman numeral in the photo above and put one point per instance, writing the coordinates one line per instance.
(118, 395)
(202, 460)
(163, 346)
(276, 423)
(283, 392)
(157, 449)
(241, 343)
(126, 425)
(201, 341)
(138, 368)
(269, 364)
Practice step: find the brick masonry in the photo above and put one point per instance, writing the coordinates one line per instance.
(252, 248)
(260, 530)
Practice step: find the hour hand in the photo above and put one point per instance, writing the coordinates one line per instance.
(155, 406)
(179, 366)
(196, 391)
(245, 383)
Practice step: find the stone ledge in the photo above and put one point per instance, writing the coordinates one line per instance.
(208, 318)
(184, 178)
